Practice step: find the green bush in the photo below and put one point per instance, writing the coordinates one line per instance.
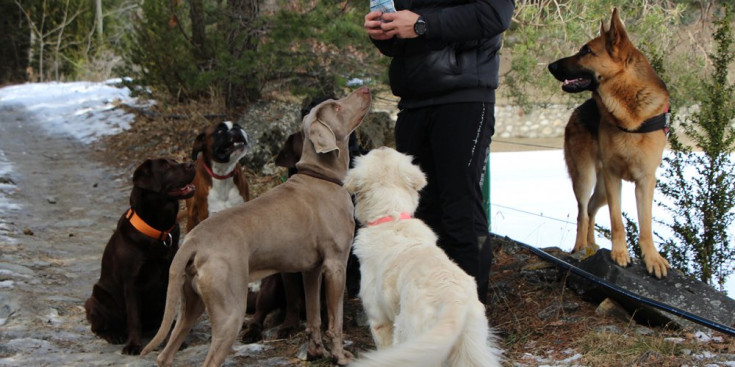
(545, 31)
(316, 46)
(699, 179)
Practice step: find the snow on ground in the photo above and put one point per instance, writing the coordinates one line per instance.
(7, 187)
(532, 202)
(84, 110)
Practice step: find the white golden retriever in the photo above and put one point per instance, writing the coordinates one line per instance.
(423, 309)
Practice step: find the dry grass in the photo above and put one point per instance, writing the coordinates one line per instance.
(523, 286)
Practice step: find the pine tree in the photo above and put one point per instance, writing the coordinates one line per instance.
(700, 179)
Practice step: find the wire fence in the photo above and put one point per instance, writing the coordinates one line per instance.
(542, 216)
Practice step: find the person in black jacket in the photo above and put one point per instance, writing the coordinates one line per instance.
(444, 68)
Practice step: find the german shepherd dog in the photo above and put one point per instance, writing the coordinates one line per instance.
(618, 134)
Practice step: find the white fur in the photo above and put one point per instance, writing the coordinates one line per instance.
(224, 193)
(422, 308)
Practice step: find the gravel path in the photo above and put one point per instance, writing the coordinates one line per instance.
(58, 207)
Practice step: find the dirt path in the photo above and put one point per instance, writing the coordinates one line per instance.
(50, 250)
(69, 203)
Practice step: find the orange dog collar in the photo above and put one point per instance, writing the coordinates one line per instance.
(143, 227)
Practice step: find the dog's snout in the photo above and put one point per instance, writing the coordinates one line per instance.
(364, 90)
(553, 67)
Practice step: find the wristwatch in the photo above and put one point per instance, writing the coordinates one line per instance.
(420, 26)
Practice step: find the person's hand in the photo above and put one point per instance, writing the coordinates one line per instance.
(372, 25)
(399, 24)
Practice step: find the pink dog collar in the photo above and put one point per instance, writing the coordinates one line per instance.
(388, 218)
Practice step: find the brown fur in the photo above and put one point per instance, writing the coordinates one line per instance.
(197, 207)
(284, 290)
(128, 299)
(599, 152)
(303, 225)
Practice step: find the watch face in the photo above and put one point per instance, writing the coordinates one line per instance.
(419, 27)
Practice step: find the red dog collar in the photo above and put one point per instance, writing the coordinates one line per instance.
(214, 175)
(388, 218)
(143, 227)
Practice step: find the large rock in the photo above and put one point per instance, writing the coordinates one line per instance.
(269, 123)
(376, 130)
(675, 290)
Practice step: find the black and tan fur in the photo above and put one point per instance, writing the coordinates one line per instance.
(601, 144)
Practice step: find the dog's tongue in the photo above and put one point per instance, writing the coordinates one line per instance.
(574, 82)
(181, 191)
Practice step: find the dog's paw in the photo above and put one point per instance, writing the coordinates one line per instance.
(586, 249)
(621, 258)
(252, 334)
(132, 349)
(315, 352)
(114, 338)
(286, 331)
(656, 265)
(344, 359)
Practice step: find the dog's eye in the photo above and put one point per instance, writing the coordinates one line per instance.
(585, 50)
(221, 128)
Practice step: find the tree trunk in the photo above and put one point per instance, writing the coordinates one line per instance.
(198, 33)
(242, 13)
(98, 20)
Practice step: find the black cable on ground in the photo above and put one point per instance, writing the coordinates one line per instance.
(614, 287)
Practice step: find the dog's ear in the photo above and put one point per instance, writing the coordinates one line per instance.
(198, 146)
(291, 151)
(616, 34)
(322, 136)
(350, 181)
(143, 177)
(413, 175)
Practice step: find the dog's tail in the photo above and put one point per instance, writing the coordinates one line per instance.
(477, 346)
(434, 346)
(176, 279)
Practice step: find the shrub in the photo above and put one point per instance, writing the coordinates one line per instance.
(700, 179)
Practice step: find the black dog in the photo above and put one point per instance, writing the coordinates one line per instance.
(129, 298)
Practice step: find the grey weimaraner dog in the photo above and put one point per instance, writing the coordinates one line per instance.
(303, 225)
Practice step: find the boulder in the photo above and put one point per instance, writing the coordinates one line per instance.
(269, 123)
(675, 290)
(376, 130)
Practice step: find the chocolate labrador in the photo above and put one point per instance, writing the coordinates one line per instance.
(303, 225)
(129, 297)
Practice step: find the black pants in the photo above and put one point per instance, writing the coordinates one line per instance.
(450, 143)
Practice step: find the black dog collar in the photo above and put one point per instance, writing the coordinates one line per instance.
(660, 122)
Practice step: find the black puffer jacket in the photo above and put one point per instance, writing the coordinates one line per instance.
(456, 60)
